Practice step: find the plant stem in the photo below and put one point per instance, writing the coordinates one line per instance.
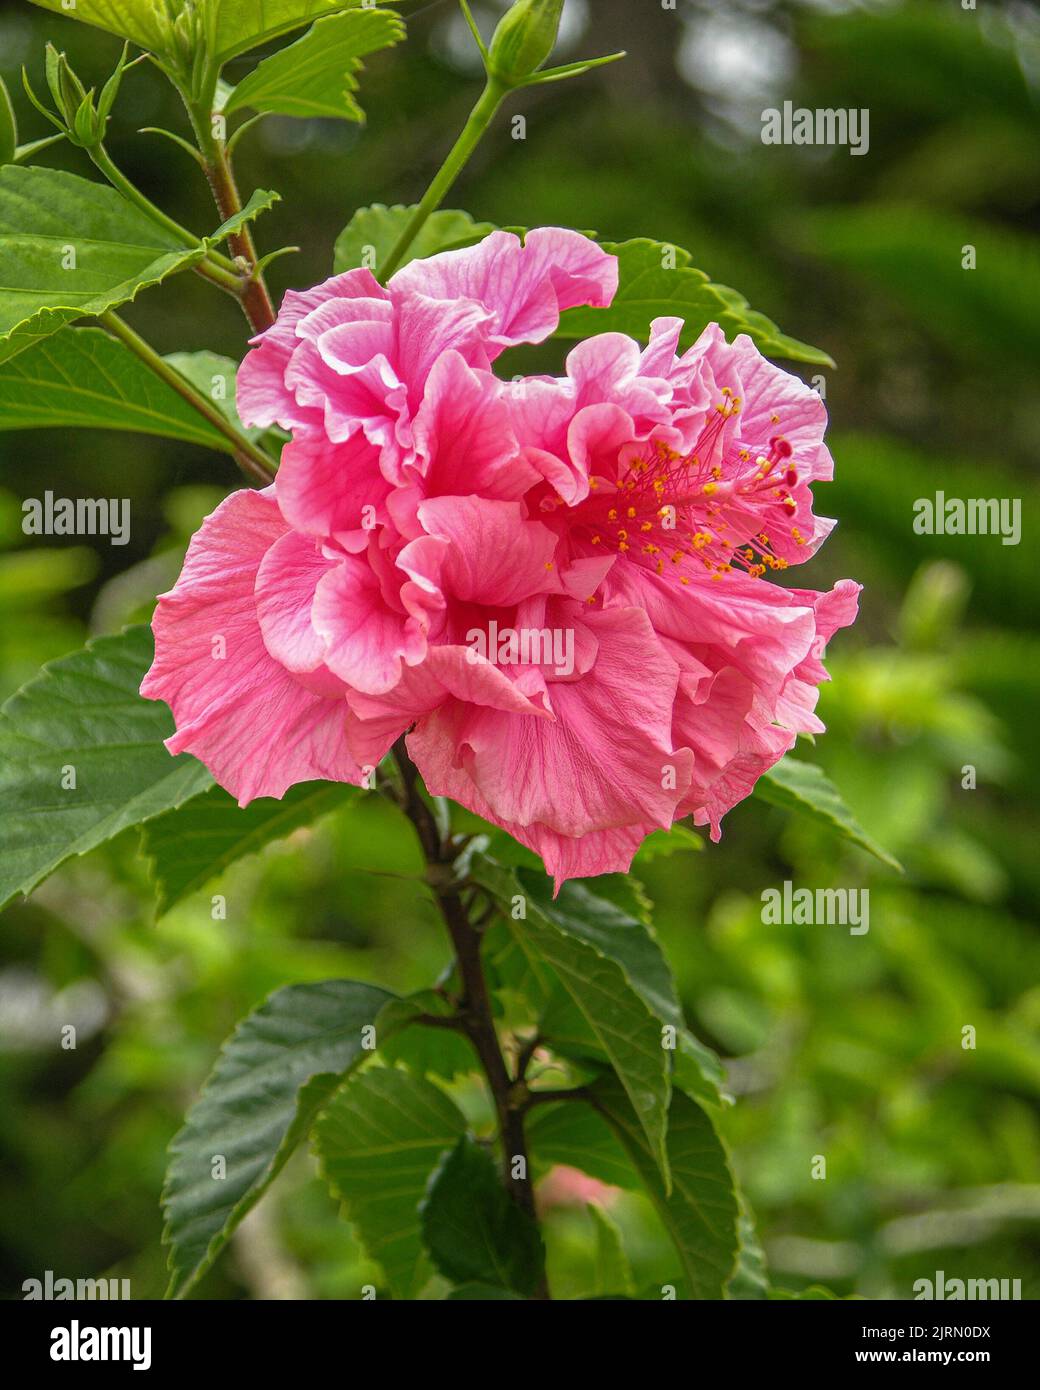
(475, 1017)
(215, 267)
(254, 295)
(479, 120)
(254, 462)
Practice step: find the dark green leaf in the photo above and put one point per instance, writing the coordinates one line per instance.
(700, 1214)
(316, 75)
(196, 842)
(575, 1134)
(425, 1050)
(473, 1229)
(379, 1140)
(803, 787)
(84, 711)
(276, 1071)
(565, 951)
(372, 233)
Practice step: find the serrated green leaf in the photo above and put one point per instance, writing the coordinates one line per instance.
(373, 232)
(260, 200)
(804, 787)
(46, 217)
(139, 20)
(245, 24)
(474, 1231)
(657, 280)
(194, 843)
(579, 912)
(701, 1212)
(575, 957)
(275, 1072)
(627, 940)
(84, 711)
(379, 1140)
(317, 75)
(750, 1281)
(82, 378)
(425, 1050)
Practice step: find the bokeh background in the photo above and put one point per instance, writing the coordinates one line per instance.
(844, 1046)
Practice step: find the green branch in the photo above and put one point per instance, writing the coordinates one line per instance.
(254, 462)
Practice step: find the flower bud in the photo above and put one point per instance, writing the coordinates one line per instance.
(524, 39)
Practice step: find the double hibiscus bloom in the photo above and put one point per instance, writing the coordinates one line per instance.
(631, 513)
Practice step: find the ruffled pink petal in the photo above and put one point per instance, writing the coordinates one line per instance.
(285, 583)
(333, 490)
(606, 760)
(524, 286)
(495, 556)
(369, 630)
(464, 440)
(256, 726)
(261, 393)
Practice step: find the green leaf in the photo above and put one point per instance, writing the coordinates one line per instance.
(628, 941)
(701, 1212)
(49, 217)
(197, 841)
(612, 932)
(260, 200)
(657, 280)
(245, 24)
(750, 1279)
(274, 1074)
(379, 1140)
(613, 1271)
(8, 126)
(84, 711)
(142, 21)
(662, 844)
(81, 378)
(373, 232)
(316, 75)
(803, 787)
(580, 958)
(425, 1050)
(474, 1231)
(575, 1134)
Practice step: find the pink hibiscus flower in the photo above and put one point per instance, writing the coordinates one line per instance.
(559, 587)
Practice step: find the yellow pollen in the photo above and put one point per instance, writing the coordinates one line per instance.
(631, 513)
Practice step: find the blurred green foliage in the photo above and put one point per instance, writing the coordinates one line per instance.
(844, 1046)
